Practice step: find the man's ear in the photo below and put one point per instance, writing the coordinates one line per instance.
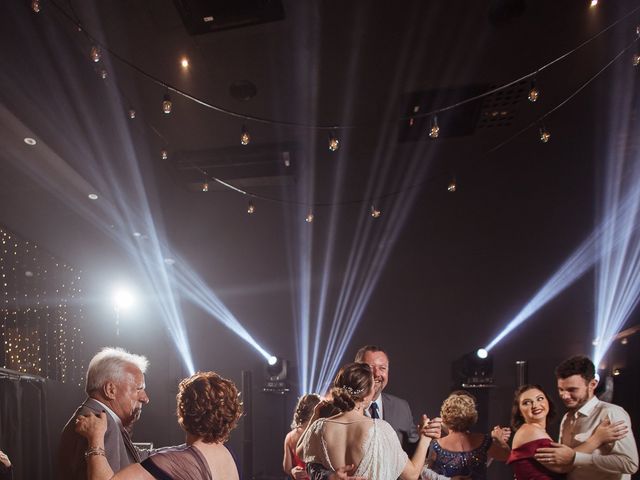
(593, 383)
(109, 389)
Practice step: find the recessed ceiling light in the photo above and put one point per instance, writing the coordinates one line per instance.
(30, 141)
(93, 196)
(594, 3)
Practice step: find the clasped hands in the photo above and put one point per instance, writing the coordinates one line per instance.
(431, 428)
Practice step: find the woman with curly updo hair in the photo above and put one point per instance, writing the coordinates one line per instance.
(291, 463)
(359, 445)
(208, 410)
(461, 452)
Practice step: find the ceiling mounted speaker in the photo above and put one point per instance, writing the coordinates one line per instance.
(205, 16)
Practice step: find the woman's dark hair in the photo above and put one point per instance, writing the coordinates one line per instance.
(209, 406)
(516, 416)
(352, 383)
(304, 409)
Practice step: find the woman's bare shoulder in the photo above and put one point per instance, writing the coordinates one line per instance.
(528, 433)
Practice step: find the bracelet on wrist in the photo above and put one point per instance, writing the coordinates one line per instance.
(95, 451)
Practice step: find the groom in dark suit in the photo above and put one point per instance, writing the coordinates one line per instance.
(394, 410)
(115, 385)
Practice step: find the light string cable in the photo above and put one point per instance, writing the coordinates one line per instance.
(230, 186)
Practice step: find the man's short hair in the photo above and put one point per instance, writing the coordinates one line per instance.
(365, 349)
(577, 365)
(109, 364)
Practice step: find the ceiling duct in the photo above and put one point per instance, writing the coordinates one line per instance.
(257, 166)
(205, 16)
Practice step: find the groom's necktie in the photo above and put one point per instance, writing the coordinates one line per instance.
(373, 410)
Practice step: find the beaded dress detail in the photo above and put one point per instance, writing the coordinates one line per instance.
(383, 457)
(470, 463)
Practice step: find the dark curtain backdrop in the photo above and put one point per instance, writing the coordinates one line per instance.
(24, 432)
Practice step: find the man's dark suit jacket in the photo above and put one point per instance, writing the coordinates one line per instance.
(119, 450)
(397, 413)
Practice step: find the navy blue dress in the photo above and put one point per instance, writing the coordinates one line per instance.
(472, 463)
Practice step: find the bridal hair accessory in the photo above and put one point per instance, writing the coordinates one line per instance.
(353, 392)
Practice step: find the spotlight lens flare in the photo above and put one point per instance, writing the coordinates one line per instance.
(482, 353)
(123, 299)
(272, 360)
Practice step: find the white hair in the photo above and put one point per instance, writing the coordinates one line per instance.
(109, 364)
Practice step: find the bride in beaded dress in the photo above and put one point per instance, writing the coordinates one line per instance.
(351, 438)
(531, 409)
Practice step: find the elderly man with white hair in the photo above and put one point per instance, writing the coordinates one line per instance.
(115, 385)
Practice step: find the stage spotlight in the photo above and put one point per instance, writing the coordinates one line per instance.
(276, 376)
(123, 299)
(482, 353)
(473, 371)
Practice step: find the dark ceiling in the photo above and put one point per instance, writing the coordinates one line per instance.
(435, 263)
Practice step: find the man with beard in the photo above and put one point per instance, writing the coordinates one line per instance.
(115, 385)
(390, 408)
(611, 461)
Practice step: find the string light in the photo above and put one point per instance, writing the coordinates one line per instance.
(375, 213)
(167, 104)
(95, 54)
(309, 217)
(334, 142)
(132, 113)
(164, 154)
(534, 93)
(35, 6)
(434, 132)
(544, 134)
(453, 186)
(251, 208)
(103, 74)
(205, 186)
(636, 60)
(245, 138)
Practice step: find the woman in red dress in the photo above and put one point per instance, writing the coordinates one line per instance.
(292, 465)
(531, 409)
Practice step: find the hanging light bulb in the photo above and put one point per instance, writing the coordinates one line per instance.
(534, 93)
(95, 54)
(638, 30)
(132, 113)
(103, 73)
(434, 132)
(309, 217)
(166, 104)
(205, 186)
(636, 60)
(544, 134)
(251, 208)
(35, 6)
(245, 138)
(164, 154)
(334, 142)
(452, 187)
(375, 213)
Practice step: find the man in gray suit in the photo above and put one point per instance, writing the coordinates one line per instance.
(114, 384)
(394, 410)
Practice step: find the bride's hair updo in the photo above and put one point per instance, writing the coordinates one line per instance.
(352, 383)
